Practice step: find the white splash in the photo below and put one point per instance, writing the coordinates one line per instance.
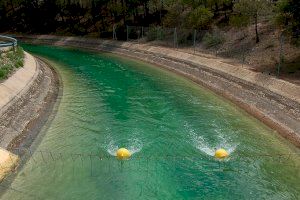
(208, 148)
(112, 148)
(203, 146)
(134, 146)
(226, 144)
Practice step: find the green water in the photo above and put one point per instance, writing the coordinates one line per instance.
(171, 125)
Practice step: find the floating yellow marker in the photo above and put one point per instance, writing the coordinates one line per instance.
(221, 153)
(123, 154)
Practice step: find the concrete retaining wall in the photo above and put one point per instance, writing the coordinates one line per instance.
(26, 100)
(10, 91)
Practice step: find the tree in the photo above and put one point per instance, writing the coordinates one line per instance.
(288, 15)
(200, 17)
(176, 15)
(253, 9)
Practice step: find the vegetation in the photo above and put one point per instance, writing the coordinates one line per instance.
(9, 61)
(261, 33)
(212, 40)
(251, 10)
(82, 17)
(288, 16)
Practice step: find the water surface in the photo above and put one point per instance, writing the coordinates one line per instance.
(171, 125)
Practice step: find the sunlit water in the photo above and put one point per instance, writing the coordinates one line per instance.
(171, 126)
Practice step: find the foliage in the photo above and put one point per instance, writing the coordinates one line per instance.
(152, 34)
(251, 10)
(212, 39)
(239, 20)
(158, 33)
(176, 15)
(96, 17)
(10, 61)
(200, 17)
(288, 16)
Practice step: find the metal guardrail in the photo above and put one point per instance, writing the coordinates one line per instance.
(6, 41)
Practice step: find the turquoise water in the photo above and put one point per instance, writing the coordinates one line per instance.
(171, 126)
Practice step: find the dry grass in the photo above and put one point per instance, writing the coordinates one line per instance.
(265, 55)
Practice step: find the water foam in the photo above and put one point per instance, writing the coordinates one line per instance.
(133, 145)
(209, 148)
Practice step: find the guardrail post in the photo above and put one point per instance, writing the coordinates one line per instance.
(14, 46)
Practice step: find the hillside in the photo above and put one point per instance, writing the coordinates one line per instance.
(264, 34)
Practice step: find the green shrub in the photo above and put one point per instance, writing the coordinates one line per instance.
(19, 63)
(9, 61)
(212, 40)
(200, 17)
(239, 20)
(156, 33)
(152, 34)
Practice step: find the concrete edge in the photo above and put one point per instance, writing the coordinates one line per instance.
(25, 116)
(19, 83)
(10, 90)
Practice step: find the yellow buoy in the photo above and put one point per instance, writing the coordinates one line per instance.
(123, 154)
(221, 153)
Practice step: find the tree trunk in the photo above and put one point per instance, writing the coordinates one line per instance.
(216, 12)
(146, 13)
(123, 11)
(12, 5)
(256, 30)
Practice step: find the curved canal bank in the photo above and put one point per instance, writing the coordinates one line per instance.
(275, 102)
(27, 98)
